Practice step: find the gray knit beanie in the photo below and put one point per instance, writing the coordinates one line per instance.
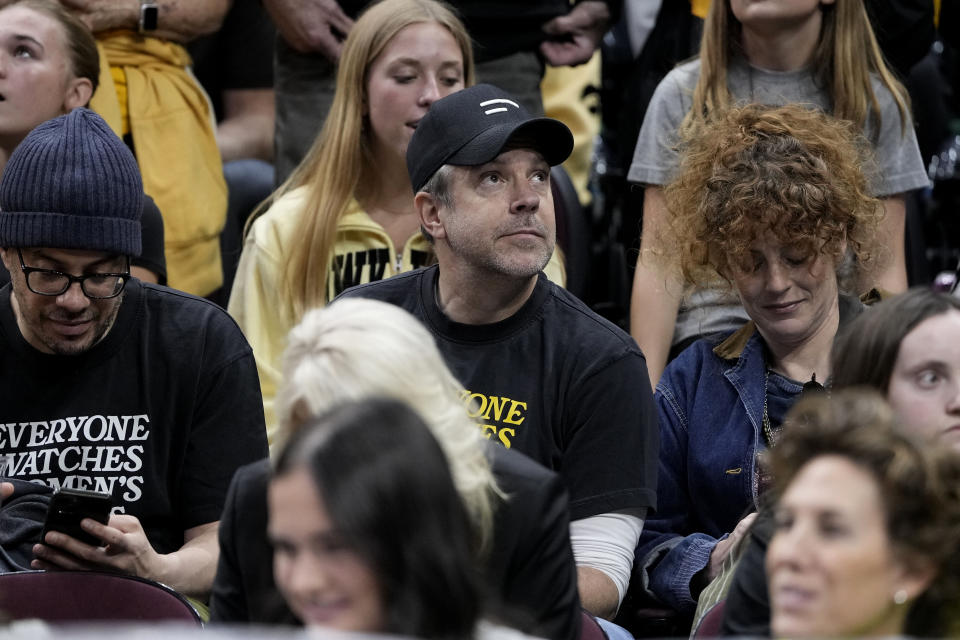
(72, 184)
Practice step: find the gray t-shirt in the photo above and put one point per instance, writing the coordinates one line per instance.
(655, 159)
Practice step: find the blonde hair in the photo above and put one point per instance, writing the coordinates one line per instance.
(846, 54)
(340, 157)
(355, 349)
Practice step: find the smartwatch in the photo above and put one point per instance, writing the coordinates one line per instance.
(149, 13)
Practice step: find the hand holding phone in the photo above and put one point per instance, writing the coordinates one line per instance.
(69, 506)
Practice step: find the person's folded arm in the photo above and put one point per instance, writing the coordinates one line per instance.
(667, 559)
(572, 38)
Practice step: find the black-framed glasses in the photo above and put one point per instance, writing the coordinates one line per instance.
(98, 286)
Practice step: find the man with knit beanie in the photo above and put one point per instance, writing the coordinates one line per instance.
(111, 385)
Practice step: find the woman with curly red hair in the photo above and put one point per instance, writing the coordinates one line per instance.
(773, 202)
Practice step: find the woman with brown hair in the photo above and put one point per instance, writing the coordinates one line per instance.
(368, 530)
(866, 525)
(51, 66)
(908, 349)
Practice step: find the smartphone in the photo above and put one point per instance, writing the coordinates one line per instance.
(69, 506)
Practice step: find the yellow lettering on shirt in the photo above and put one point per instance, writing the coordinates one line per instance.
(492, 412)
(514, 413)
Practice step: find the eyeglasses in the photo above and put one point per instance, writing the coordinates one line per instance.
(98, 286)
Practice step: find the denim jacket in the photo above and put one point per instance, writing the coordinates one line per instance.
(710, 401)
(711, 412)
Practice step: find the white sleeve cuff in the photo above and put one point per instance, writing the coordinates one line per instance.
(606, 542)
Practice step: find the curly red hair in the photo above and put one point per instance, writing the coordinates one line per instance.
(790, 171)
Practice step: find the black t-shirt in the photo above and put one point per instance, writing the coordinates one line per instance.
(557, 382)
(160, 413)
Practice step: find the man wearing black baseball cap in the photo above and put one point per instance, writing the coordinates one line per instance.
(543, 374)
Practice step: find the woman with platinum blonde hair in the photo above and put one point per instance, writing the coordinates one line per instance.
(355, 349)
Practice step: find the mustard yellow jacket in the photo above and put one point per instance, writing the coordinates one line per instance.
(147, 90)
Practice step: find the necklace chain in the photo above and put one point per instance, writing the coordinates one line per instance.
(768, 435)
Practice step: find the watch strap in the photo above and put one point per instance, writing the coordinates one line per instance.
(149, 16)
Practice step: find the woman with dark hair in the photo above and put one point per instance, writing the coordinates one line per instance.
(908, 348)
(369, 532)
(867, 522)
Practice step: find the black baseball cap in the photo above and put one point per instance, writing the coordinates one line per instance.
(472, 126)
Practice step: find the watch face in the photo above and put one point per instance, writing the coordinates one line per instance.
(148, 17)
